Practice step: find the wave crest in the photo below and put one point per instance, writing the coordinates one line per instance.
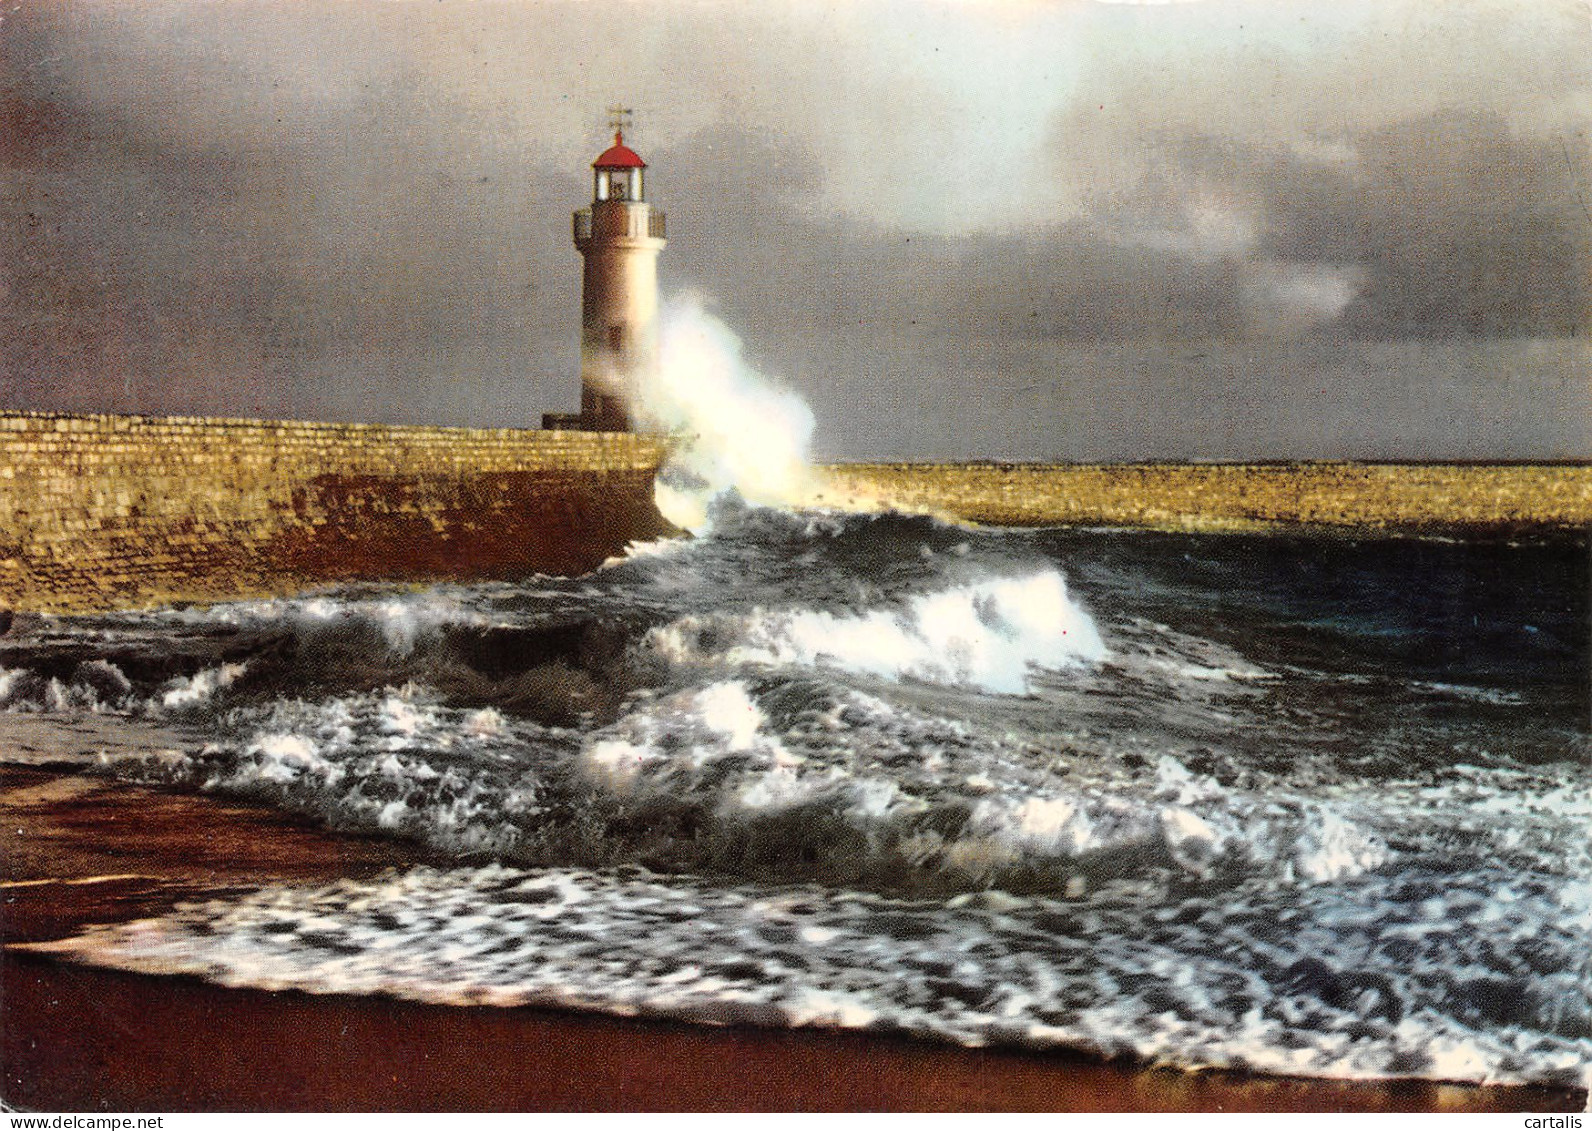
(987, 635)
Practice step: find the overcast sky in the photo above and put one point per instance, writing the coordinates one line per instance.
(1007, 229)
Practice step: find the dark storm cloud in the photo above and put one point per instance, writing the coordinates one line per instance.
(745, 239)
(361, 210)
(178, 252)
(133, 260)
(1464, 227)
(1432, 158)
(1454, 223)
(1448, 225)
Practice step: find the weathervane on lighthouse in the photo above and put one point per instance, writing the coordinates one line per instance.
(619, 235)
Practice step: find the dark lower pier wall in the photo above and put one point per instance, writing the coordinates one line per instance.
(119, 511)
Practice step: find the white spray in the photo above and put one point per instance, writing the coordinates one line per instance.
(736, 430)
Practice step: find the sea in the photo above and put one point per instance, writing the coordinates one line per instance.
(1294, 804)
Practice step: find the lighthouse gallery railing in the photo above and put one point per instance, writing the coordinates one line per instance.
(656, 225)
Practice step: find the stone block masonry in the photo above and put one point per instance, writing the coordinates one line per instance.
(102, 512)
(1486, 500)
(123, 511)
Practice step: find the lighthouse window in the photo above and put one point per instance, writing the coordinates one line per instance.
(618, 184)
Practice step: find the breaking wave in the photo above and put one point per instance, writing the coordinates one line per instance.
(988, 635)
(1141, 794)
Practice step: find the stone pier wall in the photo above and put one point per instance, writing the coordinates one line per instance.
(122, 511)
(1355, 498)
(114, 511)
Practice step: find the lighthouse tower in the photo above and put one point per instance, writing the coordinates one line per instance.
(619, 235)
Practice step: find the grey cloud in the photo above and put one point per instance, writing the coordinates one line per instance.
(1439, 159)
(361, 211)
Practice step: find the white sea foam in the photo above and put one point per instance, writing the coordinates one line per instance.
(11, 680)
(185, 692)
(95, 686)
(671, 746)
(1114, 973)
(1332, 848)
(283, 758)
(390, 760)
(1042, 826)
(403, 620)
(485, 723)
(1191, 839)
(987, 635)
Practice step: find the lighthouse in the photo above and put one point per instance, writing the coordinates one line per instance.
(619, 236)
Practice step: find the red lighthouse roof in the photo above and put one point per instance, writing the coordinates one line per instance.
(619, 156)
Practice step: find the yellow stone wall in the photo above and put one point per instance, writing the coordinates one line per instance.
(115, 511)
(1405, 498)
(108, 511)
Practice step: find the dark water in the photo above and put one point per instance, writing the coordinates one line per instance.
(1310, 806)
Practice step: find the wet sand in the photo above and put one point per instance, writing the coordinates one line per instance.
(82, 850)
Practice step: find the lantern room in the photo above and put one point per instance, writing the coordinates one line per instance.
(617, 172)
